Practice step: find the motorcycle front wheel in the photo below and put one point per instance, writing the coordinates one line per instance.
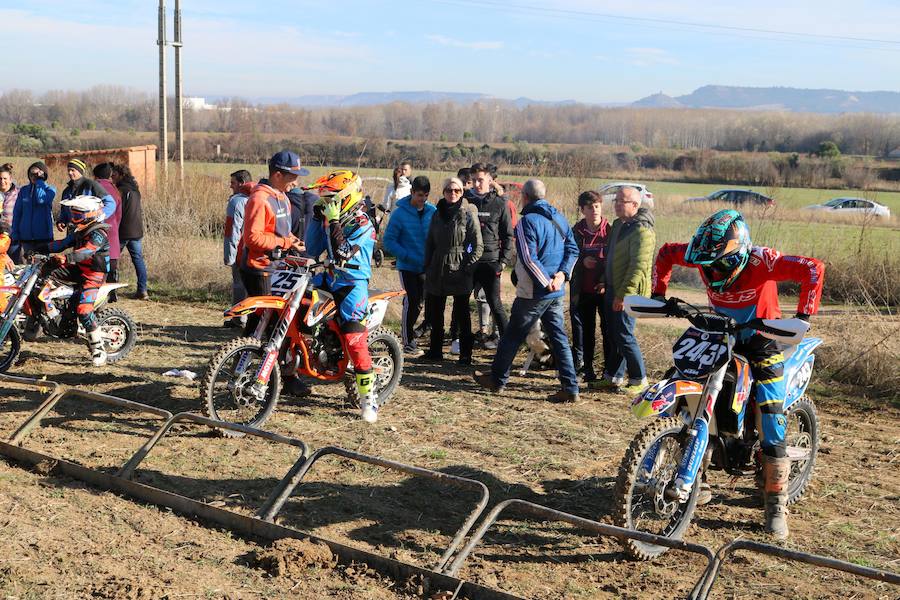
(641, 503)
(228, 396)
(802, 440)
(9, 349)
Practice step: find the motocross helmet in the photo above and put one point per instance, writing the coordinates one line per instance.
(342, 186)
(84, 210)
(721, 248)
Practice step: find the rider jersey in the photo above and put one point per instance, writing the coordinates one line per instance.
(754, 294)
(359, 233)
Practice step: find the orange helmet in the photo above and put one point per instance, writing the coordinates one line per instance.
(342, 186)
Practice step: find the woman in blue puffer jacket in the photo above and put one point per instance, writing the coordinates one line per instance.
(405, 238)
(32, 222)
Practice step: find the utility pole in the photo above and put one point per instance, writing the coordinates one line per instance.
(163, 121)
(179, 93)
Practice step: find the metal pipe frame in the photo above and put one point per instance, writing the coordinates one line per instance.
(725, 552)
(127, 470)
(604, 529)
(284, 490)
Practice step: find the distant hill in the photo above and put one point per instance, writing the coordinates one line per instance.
(422, 97)
(778, 98)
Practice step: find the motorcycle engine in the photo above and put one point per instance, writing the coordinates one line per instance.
(325, 349)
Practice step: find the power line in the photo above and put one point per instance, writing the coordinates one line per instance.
(581, 14)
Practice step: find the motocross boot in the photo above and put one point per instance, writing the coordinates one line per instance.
(98, 354)
(368, 402)
(776, 472)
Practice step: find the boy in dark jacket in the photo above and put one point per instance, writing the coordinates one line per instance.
(588, 284)
(32, 221)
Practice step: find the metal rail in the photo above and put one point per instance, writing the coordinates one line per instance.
(128, 468)
(724, 553)
(550, 514)
(286, 487)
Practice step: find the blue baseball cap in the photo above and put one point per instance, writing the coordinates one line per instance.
(288, 162)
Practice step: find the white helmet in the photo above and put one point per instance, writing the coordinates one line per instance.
(85, 210)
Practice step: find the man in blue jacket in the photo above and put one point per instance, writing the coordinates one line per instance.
(404, 238)
(547, 254)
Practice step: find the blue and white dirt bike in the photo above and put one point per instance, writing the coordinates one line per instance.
(704, 409)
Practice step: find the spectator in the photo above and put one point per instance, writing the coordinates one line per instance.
(79, 185)
(587, 289)
(8, 194)
(629, 260)
(452, 249)
(465, 175)
(103, 176)
(302, 202)
(405, 239)
(32, 222)
(131, 227)
(241, 184)
(497, 236)
(400, 188)
(547, 254)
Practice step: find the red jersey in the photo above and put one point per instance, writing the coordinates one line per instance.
(754, 293)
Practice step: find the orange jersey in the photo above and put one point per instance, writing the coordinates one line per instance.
(267, 225)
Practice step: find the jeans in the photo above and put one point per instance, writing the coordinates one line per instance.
(136, 251)
(434, 307)
(414, 286)
(623, 347)
(584, 331)
(525, 313)
(486, 276)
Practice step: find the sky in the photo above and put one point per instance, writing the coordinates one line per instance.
(591, 51)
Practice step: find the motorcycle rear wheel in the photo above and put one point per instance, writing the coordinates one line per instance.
(10, 349)
(119, 333)
(225, 399)
(643, 507)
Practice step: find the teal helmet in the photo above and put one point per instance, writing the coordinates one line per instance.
(721, 248)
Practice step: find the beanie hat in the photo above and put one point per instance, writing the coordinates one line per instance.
(78, 165)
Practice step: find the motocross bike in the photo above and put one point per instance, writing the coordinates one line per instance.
(705, 419)
(45, 295)
(298, 334)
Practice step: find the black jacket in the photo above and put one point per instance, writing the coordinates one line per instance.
(301, 210)
(131, 227)
(496, 227)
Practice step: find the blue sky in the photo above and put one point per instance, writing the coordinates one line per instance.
(568, 49)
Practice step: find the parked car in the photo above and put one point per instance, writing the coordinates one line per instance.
(853, 206)
(609, 191)
(736, 197)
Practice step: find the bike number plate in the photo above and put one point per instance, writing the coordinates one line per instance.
(283, 282)
(700, 352)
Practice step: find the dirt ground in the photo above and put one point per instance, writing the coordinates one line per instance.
(64, 539)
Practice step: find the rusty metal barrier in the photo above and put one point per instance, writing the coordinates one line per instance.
(724, 553)
(276, 501)
(604, 529)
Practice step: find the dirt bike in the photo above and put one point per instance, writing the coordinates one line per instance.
(49, 300)
(702, 406)
(298, 334)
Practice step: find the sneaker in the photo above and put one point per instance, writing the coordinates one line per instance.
(421, 331)
(603, 385)
(430, 357)
(704, 496)
(564, 397)
(454, 347)
(412, 351)
(486, 380)
(634, 387)
(140, 295)
(491, 343)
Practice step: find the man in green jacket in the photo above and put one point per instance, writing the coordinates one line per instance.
(629, 260)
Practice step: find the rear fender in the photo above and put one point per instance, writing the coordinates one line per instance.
(661, 396)
(105, 289)
(255, 303)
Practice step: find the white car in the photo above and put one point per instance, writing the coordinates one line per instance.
(853, 206)
(609, 191)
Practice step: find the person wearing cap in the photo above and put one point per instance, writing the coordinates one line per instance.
(32, 219)
(79, 185)
(267, 223)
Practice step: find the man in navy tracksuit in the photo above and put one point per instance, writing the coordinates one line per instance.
(405, 238)
(547, 253)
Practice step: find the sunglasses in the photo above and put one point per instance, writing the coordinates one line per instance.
(453, 190)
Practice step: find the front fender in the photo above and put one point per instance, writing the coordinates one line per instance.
(250, 305)
(661, 396)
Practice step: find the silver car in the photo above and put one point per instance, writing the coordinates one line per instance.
(609, 191)
(853, 206)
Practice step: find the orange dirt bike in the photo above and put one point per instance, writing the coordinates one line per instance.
(298, 334)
